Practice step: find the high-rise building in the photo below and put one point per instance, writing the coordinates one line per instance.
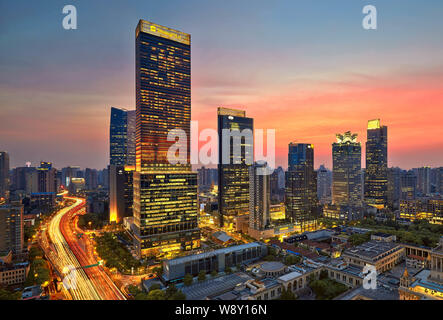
(165, 194)
(423, 180)
(122, 163)
(4, 175)
(122, 137)
(278, 185)
(324, 184)
(259, 196)
(394, 187)
(235, 158)
(118, 136)
(130, 138)
(207, 177)
(103, 178)
(68, 173)
(91, 179)
(301, 186)
(46, 176)
(376, 177)
(11, 228)
(408, 185)
(346, 171)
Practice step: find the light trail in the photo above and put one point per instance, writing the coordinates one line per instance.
(83, 288)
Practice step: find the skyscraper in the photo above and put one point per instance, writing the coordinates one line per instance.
(346, 171)
(91, 178)
(11, 227)
(277, 185)
(4, 175)
(122, 137)
(233, 174)
(376, 177)
(46, 176)
(324, 184)
(301, 185)
(394, 187)
(121, 163)
(423, 180)
(259, 196)
(68, 173)
(408, 185)
(165, 194)
(130, 138)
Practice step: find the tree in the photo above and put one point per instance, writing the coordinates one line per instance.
(158, 271)
(269, 257)
(228, 270)
(134, 290)
(8, 295)
(154, 286)
(323, 274)
(202, 275)
(178, 295)
(188, 279)
(156, 295)
(170, 290)
(287, 295)
(214, 273)
(292, 259)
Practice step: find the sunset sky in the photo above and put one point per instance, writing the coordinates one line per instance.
(305, 68)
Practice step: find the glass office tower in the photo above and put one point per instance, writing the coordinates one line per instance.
(346, 171)
(165, 195)
(117, 137)
(376, 177)
(301, 186)
(233, 177)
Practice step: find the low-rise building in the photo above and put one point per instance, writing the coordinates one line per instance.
(383, 255)
(218, 260)
(13, 274)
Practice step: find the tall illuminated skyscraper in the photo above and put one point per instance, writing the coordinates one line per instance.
(122, 137)
(259, 197)
(4, 175)
(376, 176)
(121, 163)
(346, 171)
(301, 186)
(233, 177)
(165, 194)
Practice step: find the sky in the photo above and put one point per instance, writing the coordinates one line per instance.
(304, 68)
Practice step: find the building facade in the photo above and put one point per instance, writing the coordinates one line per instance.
(233, 171)
(11, 228)
(259, 197)
(376, 174)
(301, 186)
(346, 171)
(165, 194)
(4, 175)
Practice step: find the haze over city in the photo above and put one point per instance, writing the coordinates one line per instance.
(307, 78)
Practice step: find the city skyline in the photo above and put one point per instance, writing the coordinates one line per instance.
(62, 113)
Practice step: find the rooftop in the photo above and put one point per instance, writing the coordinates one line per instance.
(272, 266)
(372, 250)
(208, 254)
(211, 287)
(381, 293)
(290, 276)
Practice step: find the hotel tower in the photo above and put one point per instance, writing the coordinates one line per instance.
(165, 194)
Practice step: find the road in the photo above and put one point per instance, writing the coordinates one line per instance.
(69, 255)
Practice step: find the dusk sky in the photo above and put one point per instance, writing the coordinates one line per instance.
(305, 68)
